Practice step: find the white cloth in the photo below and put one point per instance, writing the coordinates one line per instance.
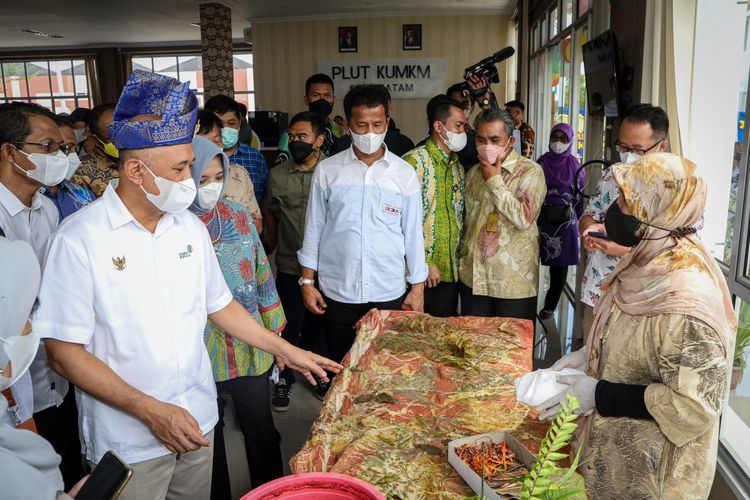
(34, 225)
(363, 228)
(137, 301)
(539, 386)
(29, 467)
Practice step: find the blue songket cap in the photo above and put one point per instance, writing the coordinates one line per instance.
(173, 105)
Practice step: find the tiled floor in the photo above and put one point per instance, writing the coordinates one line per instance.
(293, 425)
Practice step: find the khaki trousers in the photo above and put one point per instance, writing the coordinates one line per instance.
(177, 476)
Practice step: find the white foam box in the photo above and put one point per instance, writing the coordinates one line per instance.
(472, 478)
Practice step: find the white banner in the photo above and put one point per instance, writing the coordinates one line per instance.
(404, 78)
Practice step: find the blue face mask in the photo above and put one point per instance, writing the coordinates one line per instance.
(229, 137)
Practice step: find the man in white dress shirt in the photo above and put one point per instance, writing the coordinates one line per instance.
(30, 158)
(127, 287)
(363, 228)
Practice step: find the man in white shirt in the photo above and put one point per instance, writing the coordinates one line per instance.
(363, 227)
(127, 287)
(30, 158)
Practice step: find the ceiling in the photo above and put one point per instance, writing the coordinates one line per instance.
(140, 22)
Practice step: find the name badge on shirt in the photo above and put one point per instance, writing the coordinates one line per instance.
(391, 209)
(187, 253)
(492, 219)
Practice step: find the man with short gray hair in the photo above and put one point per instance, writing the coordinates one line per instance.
(499, 257)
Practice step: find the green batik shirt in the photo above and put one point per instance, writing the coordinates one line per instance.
(442, 180)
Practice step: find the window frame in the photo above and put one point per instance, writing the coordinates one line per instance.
(181, 52)
(53, 97)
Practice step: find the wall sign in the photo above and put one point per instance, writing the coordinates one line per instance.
(404, 78)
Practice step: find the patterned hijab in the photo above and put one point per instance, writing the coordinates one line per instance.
(670, 275)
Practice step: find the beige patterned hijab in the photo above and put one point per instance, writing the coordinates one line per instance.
(671, 275)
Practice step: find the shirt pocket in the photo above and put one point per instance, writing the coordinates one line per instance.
(390, 206)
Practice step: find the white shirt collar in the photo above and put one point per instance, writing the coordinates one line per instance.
(13, 205)
(119, 215)
(351, 157)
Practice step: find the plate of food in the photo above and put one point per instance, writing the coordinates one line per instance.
(492, 464)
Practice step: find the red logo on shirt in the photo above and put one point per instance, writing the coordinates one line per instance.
(392, 209)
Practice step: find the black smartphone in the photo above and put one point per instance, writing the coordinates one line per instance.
(107, 480)
(598, 234)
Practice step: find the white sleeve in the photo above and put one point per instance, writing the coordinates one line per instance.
(218, 295)
(66, 295)
(315, 221)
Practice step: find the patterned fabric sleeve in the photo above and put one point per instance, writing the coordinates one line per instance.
(603, 197)
(413, 159)
(240, 190)
(693, 366)
(269, 304)
(522, 207)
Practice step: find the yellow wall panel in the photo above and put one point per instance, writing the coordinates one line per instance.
(286, 53)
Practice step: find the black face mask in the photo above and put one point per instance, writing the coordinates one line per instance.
(622, 228)
(627, 230)
(300, 150)
(321, 107)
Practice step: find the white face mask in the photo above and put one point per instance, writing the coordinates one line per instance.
(173, 196)
(455, 142)
(19, 351)
(50, 169)
(73, 163)
(368, 143)
(209, 195)
(629, 157)
(558, 147)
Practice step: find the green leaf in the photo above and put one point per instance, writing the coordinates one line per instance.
(556, 456)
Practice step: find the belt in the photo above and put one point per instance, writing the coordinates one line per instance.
(29, 424)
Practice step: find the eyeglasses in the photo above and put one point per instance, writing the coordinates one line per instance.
(52, 147)
(622, 148)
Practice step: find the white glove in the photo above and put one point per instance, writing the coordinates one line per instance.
(578, 360)
(582, 387)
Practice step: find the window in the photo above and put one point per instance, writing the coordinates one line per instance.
(561, 82)
(544, 32)
(583, 7)
(735, 422)
(567, 13)
(58, 84)
(554, 23)
(580, 96)
(189, 68)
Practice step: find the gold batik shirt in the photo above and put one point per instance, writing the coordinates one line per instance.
(239, 189)
(499, 254)
(95, 172)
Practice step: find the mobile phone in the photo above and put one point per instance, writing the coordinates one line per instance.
(598, 234)
(107, 480)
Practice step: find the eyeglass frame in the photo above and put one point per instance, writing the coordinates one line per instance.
(638, 151)
(60, 147)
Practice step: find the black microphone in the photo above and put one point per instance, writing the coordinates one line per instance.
(503, 54)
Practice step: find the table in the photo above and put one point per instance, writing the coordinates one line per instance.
(411, 384)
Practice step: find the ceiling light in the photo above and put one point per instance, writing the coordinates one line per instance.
(41, 33)
(197, 24)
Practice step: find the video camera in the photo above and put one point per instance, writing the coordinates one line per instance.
(486, 67)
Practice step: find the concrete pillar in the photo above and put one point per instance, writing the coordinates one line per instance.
(216, 49)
